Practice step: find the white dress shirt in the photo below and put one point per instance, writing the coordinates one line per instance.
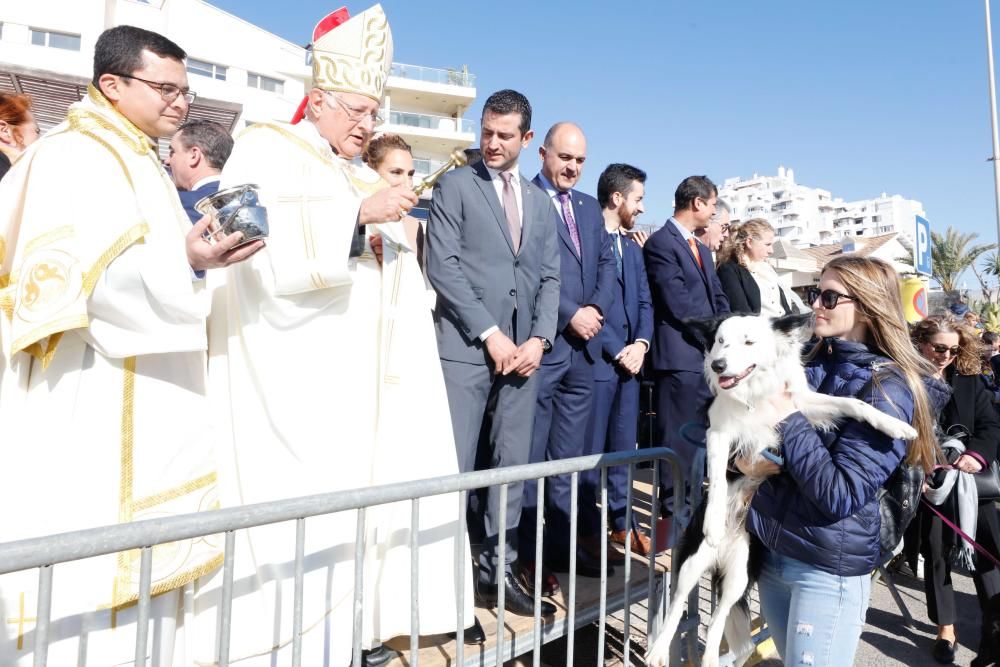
(515, 182)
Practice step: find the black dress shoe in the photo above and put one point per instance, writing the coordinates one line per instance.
(376, 657)
(526, 576)
(472, 635)
(516, 599)
(943, 651)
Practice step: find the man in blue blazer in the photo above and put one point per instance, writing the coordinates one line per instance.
(684, 286)
(566, 377)
(624, 339)
(198, 152)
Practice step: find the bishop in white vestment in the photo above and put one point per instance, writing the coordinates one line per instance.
(315, 388)
(103, 383)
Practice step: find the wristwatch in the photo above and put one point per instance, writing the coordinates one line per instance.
(546, 345)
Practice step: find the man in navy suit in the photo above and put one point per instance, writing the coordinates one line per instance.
(566, 376)
(624, 341)
(198, 151)
(684, 286)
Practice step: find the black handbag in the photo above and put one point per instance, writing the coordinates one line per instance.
(897, 505)
(988, 481)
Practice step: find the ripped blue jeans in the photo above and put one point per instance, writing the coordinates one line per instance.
(815, 617)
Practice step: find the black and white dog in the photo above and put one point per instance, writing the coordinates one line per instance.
(750, 359)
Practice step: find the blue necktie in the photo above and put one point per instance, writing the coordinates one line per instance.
(616, 251)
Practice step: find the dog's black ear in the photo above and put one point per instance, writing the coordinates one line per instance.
(795, 325)
(704, 329)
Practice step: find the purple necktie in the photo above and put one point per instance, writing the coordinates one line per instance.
(567, 212)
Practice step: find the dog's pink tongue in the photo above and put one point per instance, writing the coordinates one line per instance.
(727, 381)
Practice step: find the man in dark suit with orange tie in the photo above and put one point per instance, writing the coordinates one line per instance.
(684, 286)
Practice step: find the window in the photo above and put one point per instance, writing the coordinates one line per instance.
(876, 218)
(265, 83)
(204, 68)
(55, 40)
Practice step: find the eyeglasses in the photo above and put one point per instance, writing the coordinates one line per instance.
(941, 349)
(828, 298)
(168, 91)
(354, 114)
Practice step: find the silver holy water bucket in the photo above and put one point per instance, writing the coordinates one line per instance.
(235, 209)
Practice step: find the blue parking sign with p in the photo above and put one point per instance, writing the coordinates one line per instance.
(922, 247)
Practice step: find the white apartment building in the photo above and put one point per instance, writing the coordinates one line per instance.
(806, 216)
(241, 73)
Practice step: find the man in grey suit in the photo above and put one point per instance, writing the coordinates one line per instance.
(492, 257)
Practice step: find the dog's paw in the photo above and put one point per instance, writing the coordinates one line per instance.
(901, 430)
(658, 654)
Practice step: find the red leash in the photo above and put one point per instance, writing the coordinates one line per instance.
(975, 545)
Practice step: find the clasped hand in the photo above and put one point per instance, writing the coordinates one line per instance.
(631, 356)
(510, 358)
(586, 322)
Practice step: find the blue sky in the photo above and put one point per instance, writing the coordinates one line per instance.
(858, 97)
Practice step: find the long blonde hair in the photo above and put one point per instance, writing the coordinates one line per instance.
(970, 347)
(735, 246)
(874, 287)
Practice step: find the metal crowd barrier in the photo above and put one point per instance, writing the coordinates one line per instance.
(45, 553)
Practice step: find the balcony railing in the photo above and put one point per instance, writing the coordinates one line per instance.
(424, 167)
(451, 77)
(428, 121)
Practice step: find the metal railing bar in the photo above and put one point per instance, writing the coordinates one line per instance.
(75, 545)
(536, 657)
(463, 505)
(142, 618)
(500, 568)
(300, 551)
(42, 616)
(415, 584)
(626, 630)
(359, 580)
(226, 609)
(654, 518)
(602, 605)
(571, 600)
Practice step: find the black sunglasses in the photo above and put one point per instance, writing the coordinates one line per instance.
(941, 349)
(828, 298)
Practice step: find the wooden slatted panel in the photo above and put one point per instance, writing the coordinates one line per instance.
(50, 99)
(7, 83)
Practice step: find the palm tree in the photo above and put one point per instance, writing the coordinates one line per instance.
(950, 257)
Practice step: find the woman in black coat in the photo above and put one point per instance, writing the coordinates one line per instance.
(748, 280)
(954, 350)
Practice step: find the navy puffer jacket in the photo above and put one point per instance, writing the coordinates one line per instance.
(821, 509)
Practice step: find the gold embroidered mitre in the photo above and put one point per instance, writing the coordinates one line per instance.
(354, 56)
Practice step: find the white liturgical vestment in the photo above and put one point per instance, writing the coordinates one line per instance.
(297, 334)
(102, 397)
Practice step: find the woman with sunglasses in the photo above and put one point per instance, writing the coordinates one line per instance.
(817, 515)
(953, 348)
